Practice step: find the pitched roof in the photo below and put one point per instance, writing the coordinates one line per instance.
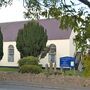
(11, 29)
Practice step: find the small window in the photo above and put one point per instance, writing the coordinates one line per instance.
(11, 53)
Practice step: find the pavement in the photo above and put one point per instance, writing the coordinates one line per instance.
(17, 85)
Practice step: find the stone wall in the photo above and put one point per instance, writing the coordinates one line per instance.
(52, 80)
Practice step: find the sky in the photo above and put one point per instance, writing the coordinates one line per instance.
(15, 11)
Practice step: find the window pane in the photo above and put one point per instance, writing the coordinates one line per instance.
(10, 53)
(10, 58)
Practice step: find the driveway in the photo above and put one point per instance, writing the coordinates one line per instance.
(15, 85)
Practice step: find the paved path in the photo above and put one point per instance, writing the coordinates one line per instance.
(14, 85)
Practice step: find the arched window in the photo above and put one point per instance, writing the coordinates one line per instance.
(52, 52)
(10, 53)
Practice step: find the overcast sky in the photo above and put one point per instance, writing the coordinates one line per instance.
(14, 12)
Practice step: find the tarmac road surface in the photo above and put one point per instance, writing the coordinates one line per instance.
(15, 85)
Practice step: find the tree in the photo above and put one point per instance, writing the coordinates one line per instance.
(86, 62)
(35, 7)
(78, 20)
(83, 35)
(86, 2)
(31, 40)
(47, 8)
(1, 45)
(5, 2)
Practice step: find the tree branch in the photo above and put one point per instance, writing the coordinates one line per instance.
(86, 2)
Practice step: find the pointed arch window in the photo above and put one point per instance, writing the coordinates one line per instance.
(11, 53)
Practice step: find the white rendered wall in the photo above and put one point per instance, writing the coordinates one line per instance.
(72, 44)
(62, 49)
(4, 61)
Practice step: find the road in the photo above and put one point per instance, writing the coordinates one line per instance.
(14, 85)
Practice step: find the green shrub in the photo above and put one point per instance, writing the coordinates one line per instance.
(30, 60)
(86, 63)
(30, 69)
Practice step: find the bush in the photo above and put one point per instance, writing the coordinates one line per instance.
(86, 63)
(30, 60)
(30, 69)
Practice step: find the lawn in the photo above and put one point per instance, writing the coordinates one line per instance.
(5, 69)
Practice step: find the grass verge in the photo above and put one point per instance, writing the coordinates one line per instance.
(6, 69)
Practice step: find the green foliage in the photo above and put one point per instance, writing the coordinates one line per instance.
(29, 65)
(1, 45)
(35, 8)
(69, 16)
(30, 60)
(30, 69)
(31, 40)
(71, 72)
(80, 41)
(47, 3)
(79, 25)
(44, 52)
(86, 62)
(78, 20)
(5, 2)
(50, 7)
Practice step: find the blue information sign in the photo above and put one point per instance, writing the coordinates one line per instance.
(67, 62)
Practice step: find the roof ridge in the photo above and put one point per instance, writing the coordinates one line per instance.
(26, 20)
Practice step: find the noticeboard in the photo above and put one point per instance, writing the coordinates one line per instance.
(67, 62)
